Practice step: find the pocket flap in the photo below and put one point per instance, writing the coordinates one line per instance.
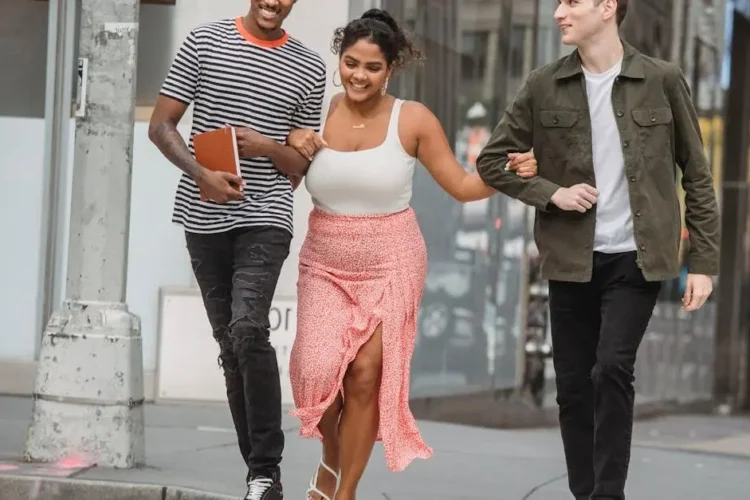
(564, 118)
(648, 117)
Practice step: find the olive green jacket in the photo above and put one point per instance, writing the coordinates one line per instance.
(658, 128)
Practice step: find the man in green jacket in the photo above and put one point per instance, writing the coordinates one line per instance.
(608, 126)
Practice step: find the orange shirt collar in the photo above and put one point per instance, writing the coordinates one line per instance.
(257, 41)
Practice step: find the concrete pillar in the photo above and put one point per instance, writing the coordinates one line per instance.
(60, 71)
(88, 400)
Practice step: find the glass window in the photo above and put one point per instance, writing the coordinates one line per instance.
(517, 50)
(474, 54)
(23, 55)
(478, 53)
(23, 58)
(155, 47)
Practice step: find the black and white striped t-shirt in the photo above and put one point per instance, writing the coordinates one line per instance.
(233, 78)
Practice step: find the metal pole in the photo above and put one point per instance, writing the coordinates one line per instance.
(88, 401)
(684, 31)
(728, 364)
(60, 63)
(535, 40)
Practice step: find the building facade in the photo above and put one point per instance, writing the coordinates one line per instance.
(37, 45)
(475, 320)
(732, 384)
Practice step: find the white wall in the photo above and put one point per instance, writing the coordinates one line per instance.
(20, 219)
(157, 255)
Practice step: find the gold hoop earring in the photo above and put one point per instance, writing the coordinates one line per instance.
(333, 77)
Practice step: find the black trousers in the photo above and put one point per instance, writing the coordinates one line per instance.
(237, 272)
(597, 328)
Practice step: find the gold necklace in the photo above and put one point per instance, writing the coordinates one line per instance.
(360, 126)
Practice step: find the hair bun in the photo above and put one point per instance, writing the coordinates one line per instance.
(382, 16)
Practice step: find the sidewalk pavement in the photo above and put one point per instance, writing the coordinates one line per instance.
(191, 454)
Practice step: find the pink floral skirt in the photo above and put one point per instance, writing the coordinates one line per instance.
(355, 273)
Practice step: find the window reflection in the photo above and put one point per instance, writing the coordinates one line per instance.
(478, 54)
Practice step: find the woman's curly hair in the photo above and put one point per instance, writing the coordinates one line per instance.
(379, 27)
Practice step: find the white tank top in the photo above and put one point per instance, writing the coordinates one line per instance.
(372, 181)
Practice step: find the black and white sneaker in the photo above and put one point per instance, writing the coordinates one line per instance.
(262, 487)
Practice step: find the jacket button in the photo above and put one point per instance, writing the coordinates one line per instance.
(626, 143)
(620, 113)
(643, 247)
(637, 213)
(632, 178)
(653, 118)
(556, 120)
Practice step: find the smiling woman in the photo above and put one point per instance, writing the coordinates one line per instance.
(363, 263)
(388, 50)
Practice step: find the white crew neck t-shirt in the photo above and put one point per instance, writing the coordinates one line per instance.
(614, 220)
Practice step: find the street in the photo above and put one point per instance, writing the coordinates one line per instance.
(192, 446)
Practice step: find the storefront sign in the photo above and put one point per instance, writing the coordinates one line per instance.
(187, 361)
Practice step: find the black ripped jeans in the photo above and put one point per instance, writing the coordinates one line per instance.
(597, 328)
(237, 272)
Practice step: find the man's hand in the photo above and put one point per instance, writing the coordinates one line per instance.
(580, 197)
(221, 187)
(697, 290)
(251, 143)
(306, 142)
(524, 164)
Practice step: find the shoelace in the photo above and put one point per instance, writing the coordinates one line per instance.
(257, 487)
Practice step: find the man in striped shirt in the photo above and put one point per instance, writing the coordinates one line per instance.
(248, 73)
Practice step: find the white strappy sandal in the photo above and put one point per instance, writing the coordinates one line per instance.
(314, 481)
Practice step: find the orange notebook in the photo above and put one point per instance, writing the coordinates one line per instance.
(217, 150)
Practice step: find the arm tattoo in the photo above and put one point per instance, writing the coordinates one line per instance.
(173, 147)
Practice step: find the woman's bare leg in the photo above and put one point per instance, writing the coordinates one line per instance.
(360, 418)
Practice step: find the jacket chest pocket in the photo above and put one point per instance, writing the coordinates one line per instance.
(654, 131)
(561, 136)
